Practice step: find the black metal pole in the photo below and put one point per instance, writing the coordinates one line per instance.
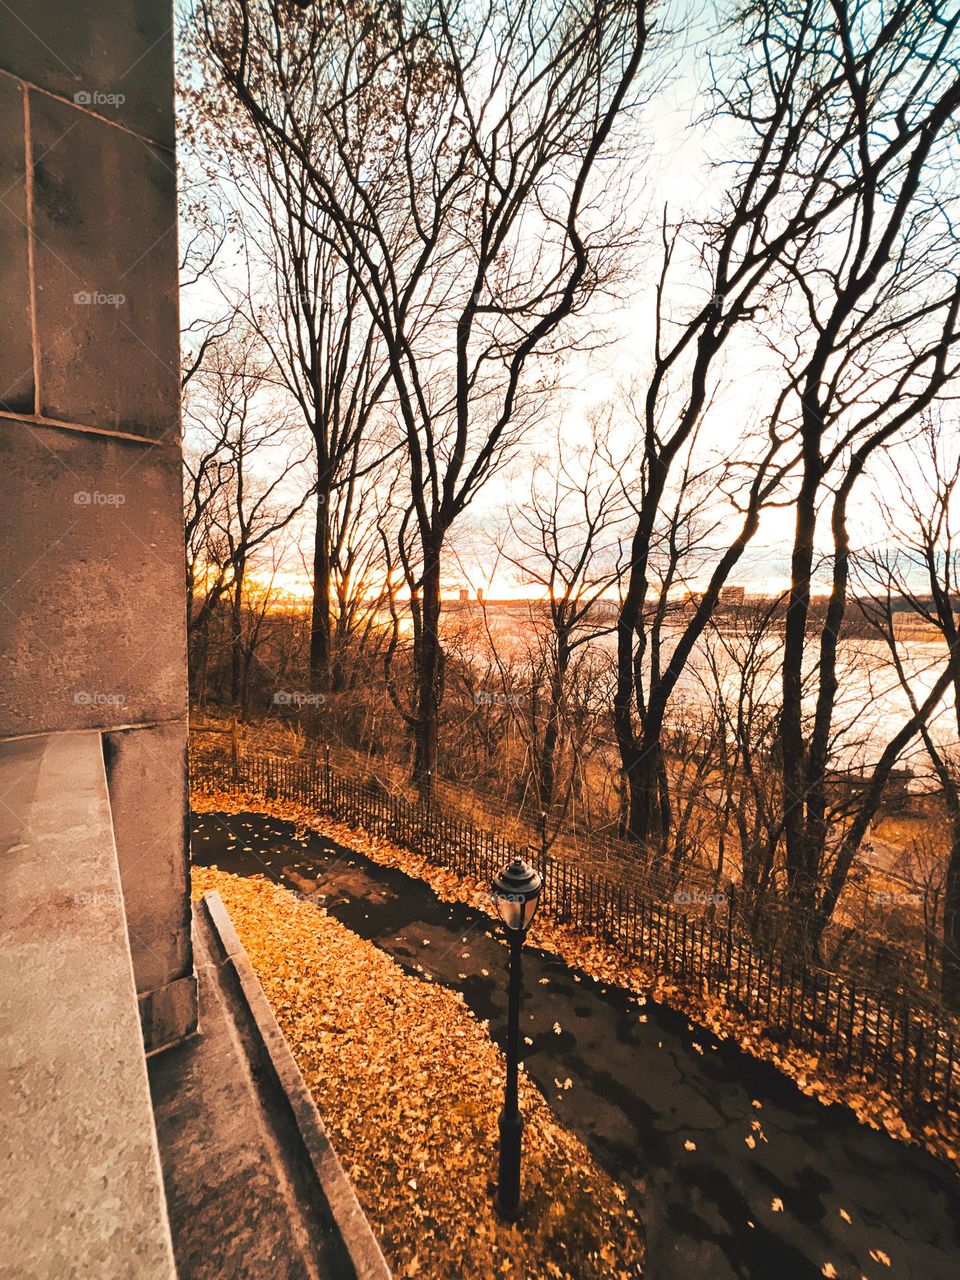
(511, 1122)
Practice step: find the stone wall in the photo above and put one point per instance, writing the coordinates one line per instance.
(92, 630)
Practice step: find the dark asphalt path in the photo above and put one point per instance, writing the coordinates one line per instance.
(643, 1084)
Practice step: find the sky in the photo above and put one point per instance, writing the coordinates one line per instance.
(676, 173)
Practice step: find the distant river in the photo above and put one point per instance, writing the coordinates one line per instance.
(871, 704)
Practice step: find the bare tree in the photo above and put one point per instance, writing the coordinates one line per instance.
(298, 295)
(873, 299)
(239, 486)
(205, 476)
(682, 553)
(476, 235)
(360, 511)
(739, 675)
(847, 117)
(922, 573)
(205, 228)
(565, 541)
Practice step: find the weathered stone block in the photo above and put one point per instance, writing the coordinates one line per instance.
(80, 1180)
(169, 1014)
(115, 59)
(106, 274)
(92, 632)
(16, 345)
(147, 776)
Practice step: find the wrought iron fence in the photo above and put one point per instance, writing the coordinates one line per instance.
(906, 1046)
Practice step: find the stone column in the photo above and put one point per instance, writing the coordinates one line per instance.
(92, 631)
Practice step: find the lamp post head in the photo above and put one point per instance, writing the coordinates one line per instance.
(516, 892)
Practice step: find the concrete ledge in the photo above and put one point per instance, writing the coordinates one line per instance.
(169, 1014)
(81, 1190)
(147, 778)
(361, 1244)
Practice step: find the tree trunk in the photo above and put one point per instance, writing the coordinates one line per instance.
(551, 735)
(320, 611)
(793, 754)
(644, 780)
(200, 657)
(631, 643)
(429, 676)
(643, 762)
(950, 973)
(236, 638)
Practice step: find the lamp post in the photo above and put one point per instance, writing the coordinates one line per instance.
(516, 892)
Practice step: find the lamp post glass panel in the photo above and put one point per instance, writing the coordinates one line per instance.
(516, 892)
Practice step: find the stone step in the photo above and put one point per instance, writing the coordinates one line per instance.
(81, 1188)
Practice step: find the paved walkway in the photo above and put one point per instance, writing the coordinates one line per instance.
(668, 1110)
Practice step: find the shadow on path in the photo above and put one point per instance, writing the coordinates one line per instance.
(644, 1084)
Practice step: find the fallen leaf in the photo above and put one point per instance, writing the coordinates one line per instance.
(402, 1072)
